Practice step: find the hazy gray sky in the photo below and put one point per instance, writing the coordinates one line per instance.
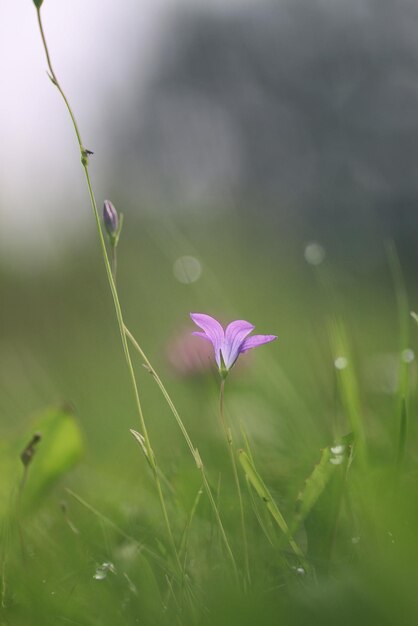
(92, 43)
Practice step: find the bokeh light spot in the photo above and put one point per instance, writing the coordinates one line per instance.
(314, 253)
(187, 269)
(408, 355)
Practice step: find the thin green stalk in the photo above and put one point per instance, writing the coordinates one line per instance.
(194, 451)
(251, 492)
(403, 431)
(114, 257)
(404, 364)
(103, 518)
(403, 316)
(185, 539)
(265, 495)
(228, 437)
(54, 79)
(84, 162)
(349, 390)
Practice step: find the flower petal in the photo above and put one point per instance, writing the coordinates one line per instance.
(235, 334)
(255, 341)
(212, 331)
(197, 333)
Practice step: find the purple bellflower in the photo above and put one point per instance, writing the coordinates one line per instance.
(228, 344)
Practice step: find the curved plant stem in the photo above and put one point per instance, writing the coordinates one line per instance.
(112, 285)
(114, 257)
(193, 450)
(228, 437)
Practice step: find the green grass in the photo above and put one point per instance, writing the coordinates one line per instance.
(355, 521)
(102, 527)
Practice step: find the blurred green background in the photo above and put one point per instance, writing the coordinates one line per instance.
(264, 158)
(60, 345)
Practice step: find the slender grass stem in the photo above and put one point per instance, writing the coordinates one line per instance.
(114, 257)
(402, 437)
(260, 487)
(103, 518)
(229, 442)
(3, 583)
(112, 285)
(349, 390)
(194, 451)
(185, 539)
(404, 365)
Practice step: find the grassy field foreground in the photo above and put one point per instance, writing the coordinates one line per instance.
(323, 428)
(143, 484)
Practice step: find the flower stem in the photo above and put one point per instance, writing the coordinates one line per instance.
(114, 257)
(112, 285)
(228, 436)
(54, 79)
(193, 450)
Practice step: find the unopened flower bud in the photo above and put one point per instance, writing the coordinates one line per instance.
(111, 220)
(38, 3)
(28, 453)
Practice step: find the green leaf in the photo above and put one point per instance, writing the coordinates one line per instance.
(314, 485)
(348, 386)
(321, 499)
(60, 448)
(263, 517)
(261, 489)
(141, 440)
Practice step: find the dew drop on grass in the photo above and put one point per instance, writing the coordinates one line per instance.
(338, 452)
(187, 269)
(299, 571)
(339, 449)
(103, 570)
(341, 362)
(408, 355)
(355, 540)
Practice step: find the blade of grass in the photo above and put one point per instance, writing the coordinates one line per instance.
(321, 502)
(348, 387)
(184, 545)
(254, 505)
(403, 318)
(185, 537)
(158, 560)
(403, 384)
(229, 442)
(257, 512)
(141, 441)
(313, 488)
(403, 431)
(265, 495)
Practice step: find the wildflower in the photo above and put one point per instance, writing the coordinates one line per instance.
(228, 344)
(111, 221)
